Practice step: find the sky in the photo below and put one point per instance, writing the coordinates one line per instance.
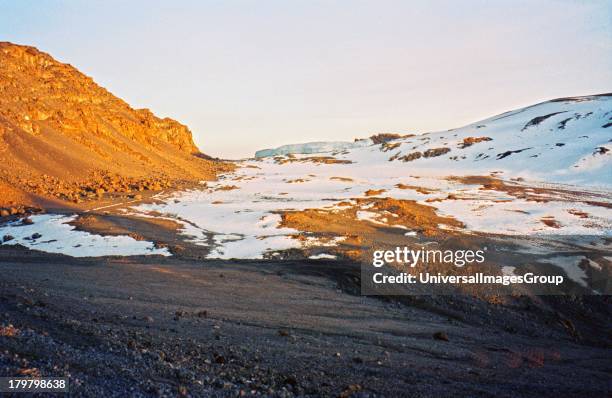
(248, 75)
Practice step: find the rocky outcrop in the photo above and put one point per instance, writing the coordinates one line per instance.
(37, 92)
(469, 141)
(57, 127)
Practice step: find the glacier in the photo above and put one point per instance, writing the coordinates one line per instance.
(313, 147)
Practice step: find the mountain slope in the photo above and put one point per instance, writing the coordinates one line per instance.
(59, 129)
(567, 140)
(504, 179)
(538, 171)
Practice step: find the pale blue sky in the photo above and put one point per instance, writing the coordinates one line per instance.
(245, 75)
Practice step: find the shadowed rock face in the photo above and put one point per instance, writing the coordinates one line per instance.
(56, 122)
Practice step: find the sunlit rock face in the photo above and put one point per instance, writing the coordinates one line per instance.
(57, 126)
(39, 92)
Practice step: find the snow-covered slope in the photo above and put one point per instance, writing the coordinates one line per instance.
(566, 141)
(550, 165)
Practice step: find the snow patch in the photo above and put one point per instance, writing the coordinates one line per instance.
(56, 236)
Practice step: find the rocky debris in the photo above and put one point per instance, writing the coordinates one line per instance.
(374, 192)
(8, 331)
(433, 152)
(578, 213)
(409, 213)
(190, 314)
(423, 190)
(18, 210)
(469, 141)
(29, 372)
(7, 238)
(350, 390)
(97, 184)
(508, 153)
(411, 156)
(550, 221)
(526, 192)
(569, 326)
(412, 214)
(430, 153)
(296, 181)
(291, 380)
(227, 188)
(563, 123)
(388, 146)
(537, 120)
(109, 350)
(601, 150)
(394, 157)
(440, 336)
(383, 138)
(342, 179)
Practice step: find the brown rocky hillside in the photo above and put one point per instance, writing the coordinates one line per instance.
(62, 136)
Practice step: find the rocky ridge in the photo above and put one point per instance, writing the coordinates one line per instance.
(64, 136)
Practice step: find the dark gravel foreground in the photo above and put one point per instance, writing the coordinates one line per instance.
(149, 326)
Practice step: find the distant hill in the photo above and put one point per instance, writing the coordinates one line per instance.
(565, 140)
(63, 136)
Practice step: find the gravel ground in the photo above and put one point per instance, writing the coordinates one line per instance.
(149, 326)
